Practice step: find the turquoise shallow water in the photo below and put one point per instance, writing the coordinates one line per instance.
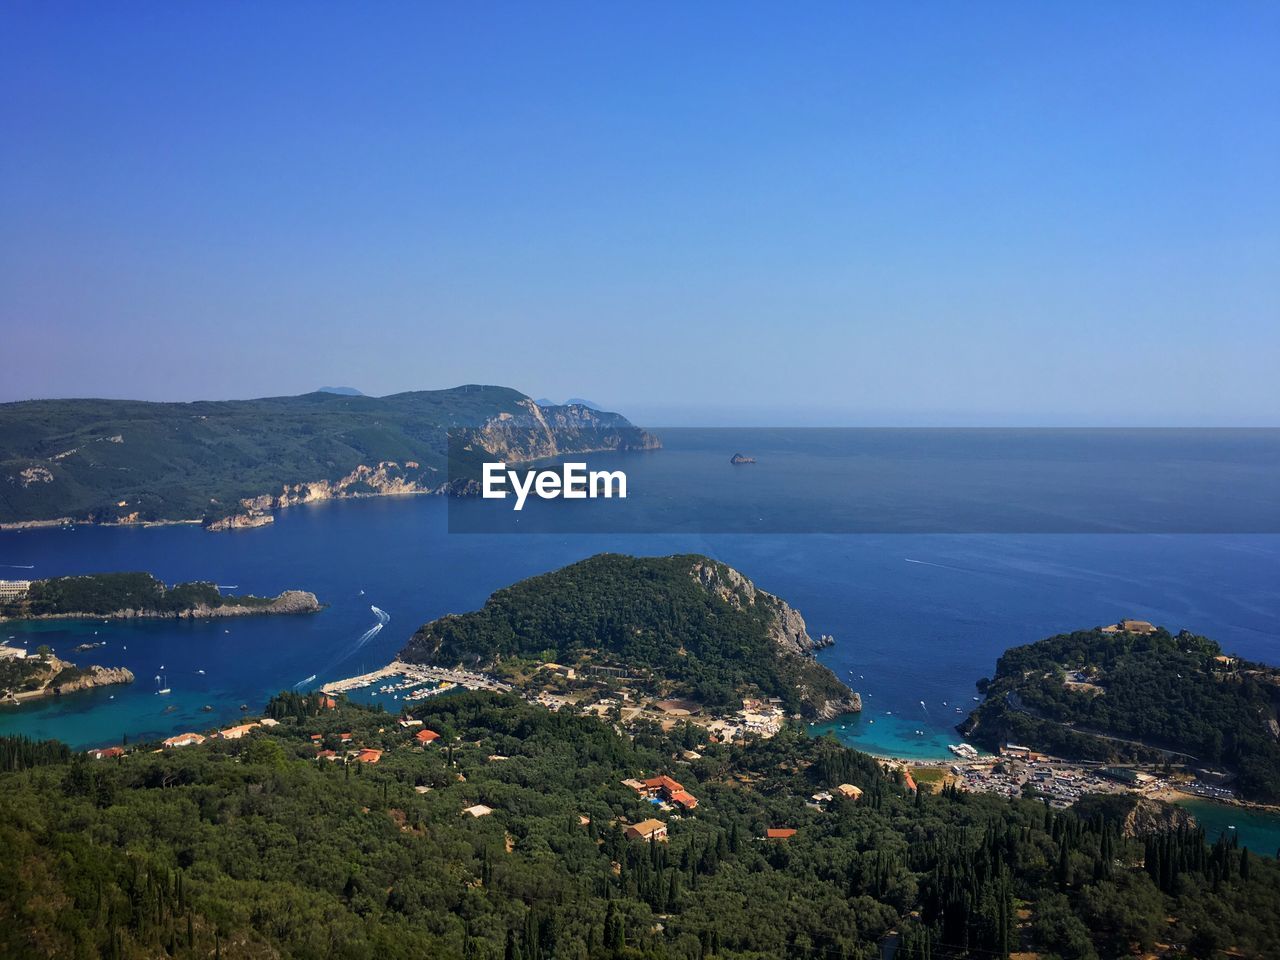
(1257, 830)
(913, 735)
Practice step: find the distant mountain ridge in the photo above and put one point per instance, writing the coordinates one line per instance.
(231, 463)
(341, 391)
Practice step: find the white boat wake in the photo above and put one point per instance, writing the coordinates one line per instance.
(383, 618)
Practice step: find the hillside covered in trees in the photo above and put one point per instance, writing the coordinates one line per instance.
(263, 846)
(681, 626)
(1098, 695)
(134, 461)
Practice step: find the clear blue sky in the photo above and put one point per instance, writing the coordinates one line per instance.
(694, 213)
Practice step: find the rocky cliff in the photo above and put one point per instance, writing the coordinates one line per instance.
(683, 626)
(529, 433)
(228, 464)
(95, 676)
(1135, 816)
(36, 677)
(288, 602)
(534, 432)
(787, 629)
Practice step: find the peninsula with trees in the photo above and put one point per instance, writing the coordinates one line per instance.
(231, 464)
(121, 596)
(1134, 692)
(33, 676)
(682, 629)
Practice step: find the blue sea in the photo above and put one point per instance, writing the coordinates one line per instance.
(918, 618)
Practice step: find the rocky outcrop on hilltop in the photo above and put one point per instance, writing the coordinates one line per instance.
(820, 687)
(531, 433)
(535, 433)
(788, 629)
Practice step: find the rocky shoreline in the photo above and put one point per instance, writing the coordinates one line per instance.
(288, 602)
(87, 678)
(524, 433)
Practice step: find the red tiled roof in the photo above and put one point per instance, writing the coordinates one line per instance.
(780, 833)
(664, 783)
(426, 736)
(369, 755)
(686, 800)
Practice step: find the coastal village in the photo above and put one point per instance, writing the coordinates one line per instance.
(1014, 771)
(610, 695)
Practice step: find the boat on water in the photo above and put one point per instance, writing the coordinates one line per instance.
(162, 685)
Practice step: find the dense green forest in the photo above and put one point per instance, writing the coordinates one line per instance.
(1172, 693)
(651, 616)
(110, 459)
(106, 593)
(257, 848)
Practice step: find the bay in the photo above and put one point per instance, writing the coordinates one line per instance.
(918, 618)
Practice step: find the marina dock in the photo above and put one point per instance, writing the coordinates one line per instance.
(417, 673)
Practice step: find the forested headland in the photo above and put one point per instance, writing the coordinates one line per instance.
(130, 461)
(684, 626)
(143, 595)
(1100, 695)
